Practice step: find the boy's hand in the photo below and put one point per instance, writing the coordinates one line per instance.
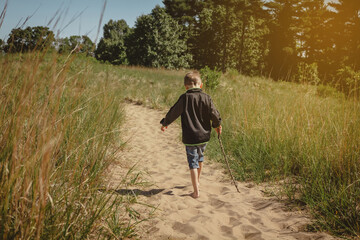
(218, 130)
(163, 128)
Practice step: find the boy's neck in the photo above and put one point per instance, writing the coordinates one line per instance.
(192, 87)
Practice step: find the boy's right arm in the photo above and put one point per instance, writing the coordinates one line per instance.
(218, 130)
(174, 112)
(215, 116)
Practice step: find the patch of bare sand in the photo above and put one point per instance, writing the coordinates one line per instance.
(220, 212)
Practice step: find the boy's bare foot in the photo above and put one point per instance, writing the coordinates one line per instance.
(195, 195)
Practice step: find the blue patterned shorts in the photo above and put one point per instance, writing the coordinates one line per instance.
(195, 154)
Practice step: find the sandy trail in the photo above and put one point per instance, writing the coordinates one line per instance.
(220, 212)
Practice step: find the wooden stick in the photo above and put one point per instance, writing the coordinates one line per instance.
(227, 163)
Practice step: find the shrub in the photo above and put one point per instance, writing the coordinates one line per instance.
(327, 91)
(232, 73)
(349, 80)
(211, 78)
(307, 73)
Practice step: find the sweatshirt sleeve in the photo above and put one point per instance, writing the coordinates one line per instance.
(174, 112)
(214, 115)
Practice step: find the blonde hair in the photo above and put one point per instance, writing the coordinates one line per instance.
(192, 79)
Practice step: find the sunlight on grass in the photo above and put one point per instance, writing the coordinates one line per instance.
(276, 131)
(61, 124)
(60, 129)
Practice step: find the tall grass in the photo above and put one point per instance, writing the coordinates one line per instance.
(282, 131)
(59, 131)
(277, 131)
(59, 127)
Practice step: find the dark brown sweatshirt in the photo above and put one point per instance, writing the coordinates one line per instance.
(198, 115)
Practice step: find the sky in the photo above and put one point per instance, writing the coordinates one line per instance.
(77, 17)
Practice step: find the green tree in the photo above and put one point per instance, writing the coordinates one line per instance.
(345, 25)
(82, 43)
(220, 21)
(2, 45)
(112, 47)
(157, 41)
(63, 45)
(30, 38)
(313, 16)
(231, 34)
(184, 11)
(187, 13)
(253, 48)
(77, 43)
(86, 44)
(205, 48)
(282, 59)
(315, 43)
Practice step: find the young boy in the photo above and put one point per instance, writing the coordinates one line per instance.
(198, 115)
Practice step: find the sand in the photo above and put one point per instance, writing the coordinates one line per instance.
(220, 212)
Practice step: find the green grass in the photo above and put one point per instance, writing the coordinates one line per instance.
(60, 123)
(276, 131)
(60, 128)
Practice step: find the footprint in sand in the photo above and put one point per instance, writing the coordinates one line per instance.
(251, 233)
(183, 228)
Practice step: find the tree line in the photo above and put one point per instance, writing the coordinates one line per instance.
(305, 41)
(40, 38)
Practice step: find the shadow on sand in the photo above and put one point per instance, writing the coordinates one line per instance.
(139, 192)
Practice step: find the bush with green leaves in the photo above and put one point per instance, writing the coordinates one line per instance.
(328, 91)
(232, 73)
(349, 80)
(307, 73)
(211, 78)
